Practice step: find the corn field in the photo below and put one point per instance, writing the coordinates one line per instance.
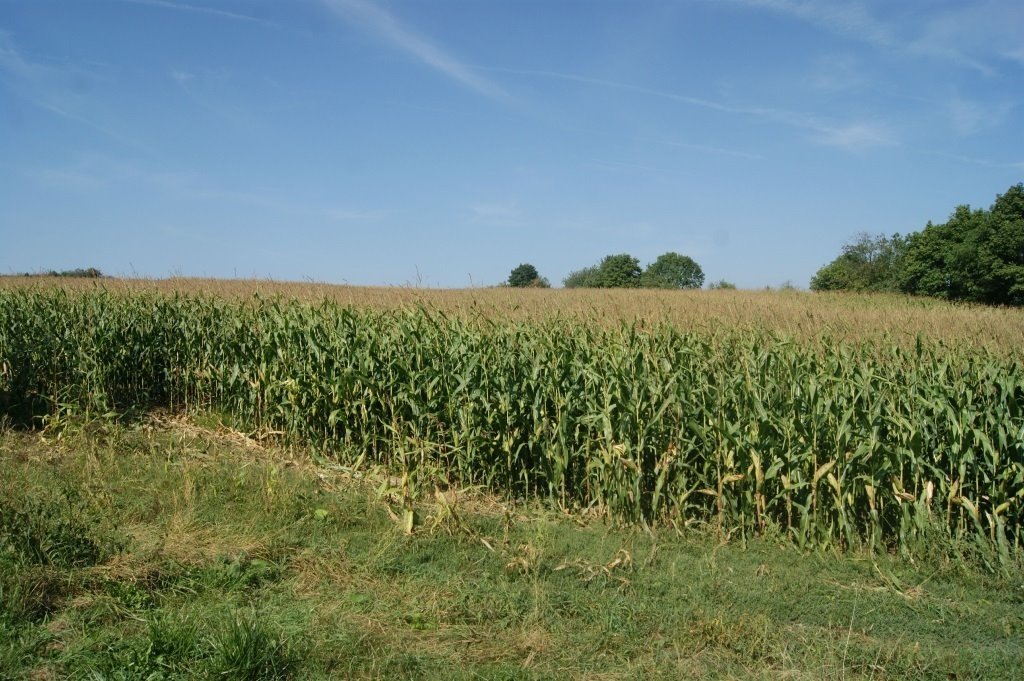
(837, 444)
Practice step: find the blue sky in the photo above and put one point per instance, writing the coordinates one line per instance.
(443, 142)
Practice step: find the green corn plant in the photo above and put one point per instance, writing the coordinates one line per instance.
(872, 442)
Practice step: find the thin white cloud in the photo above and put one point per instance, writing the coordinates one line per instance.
(848, 17)
(618, 167)
(67, 179)
(853, 137)
(348, 215)
(208, 89)
(686, 99)
(969, 116)
(98, 171)
(48, 88)
(11, 61)
(89, 123)
(101, 172)
(1015, 165)
(382, 24)
(967, 31)
(963, 115)
(855, 20)
(182, 77)
(496, 212)
(1014, 54)
(849, 136)
(715, 150)
(836, 73)
(201, 9)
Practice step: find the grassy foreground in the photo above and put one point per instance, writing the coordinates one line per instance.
(167, 550)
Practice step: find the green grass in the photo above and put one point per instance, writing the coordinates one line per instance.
(162, 550)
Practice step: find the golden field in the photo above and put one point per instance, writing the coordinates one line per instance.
(802, 314)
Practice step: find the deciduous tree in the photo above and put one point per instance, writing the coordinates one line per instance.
(672, 270)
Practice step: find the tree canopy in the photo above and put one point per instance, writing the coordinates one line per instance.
(670, 270)
(868, 263)
(526, 275)
(614, 271)
(588, 277)
(619, 271)
(976, 256)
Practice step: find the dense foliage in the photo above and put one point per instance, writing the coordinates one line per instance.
(833, 444)
(670, 270)
(526, 275)
(78, 273)
(976, 256)
(588, 277)
(869, 263)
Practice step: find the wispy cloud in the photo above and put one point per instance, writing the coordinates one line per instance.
(1014, 165)
(89, 123)
(969, 116)
(686, 99)
(208, 89)
(202, 9)
(851, 136)
(382, 24)
(496, 212)
(99, 171)
(66, 179)
(836, 73)
(13, 63)
(91, 173)
(850, 18)
(348, 215)
(52, 88)
(715, 150)
(856, 21)
(1014, 54)
(967, 32)
(963, 115)
(182, 77)
(652, 172)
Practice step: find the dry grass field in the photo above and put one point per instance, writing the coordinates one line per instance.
(802, 314)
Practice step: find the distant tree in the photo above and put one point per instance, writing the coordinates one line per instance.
(672, 270)
(614, 271)
(523, 276)
(619, 271)
(588, 277)
(79, 273)
(1006, 246)
(977, 255)
(722, 284)
(868, 263)
(928, 268)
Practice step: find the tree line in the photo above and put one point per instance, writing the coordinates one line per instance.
(975, 256)
(78, 273)
(670, 271)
